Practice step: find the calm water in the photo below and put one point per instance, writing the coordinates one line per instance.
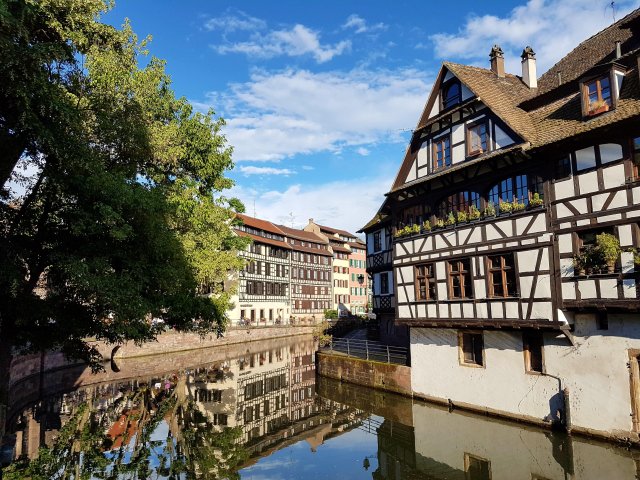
(258, 411)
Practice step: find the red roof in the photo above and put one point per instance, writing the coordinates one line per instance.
(267, 241)
(302, 235)
(336, 230)
(259, 224)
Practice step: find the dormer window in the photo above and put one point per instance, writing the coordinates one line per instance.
(597, 95)
(451, 94)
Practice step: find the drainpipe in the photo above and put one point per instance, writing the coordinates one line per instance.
(565, 418)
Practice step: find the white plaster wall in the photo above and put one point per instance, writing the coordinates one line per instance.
(423, 157)
(458, 154)
(564, 189)
(502, 384)
(613, 176)
(515, 452)
(412, 172)
(594, 371)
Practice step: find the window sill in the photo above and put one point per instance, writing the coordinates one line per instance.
(470, 365)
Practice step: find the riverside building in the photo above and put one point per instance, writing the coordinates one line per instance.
(507, 238)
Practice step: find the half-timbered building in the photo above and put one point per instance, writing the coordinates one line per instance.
(350, 283)
(263, 286)
(515, 219)
(310, 274)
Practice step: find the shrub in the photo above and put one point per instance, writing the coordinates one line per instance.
(474, 213)
(490, 211)
(505, 207)
(536, 201)
(517, 206)
(461, 217)
(426, 226)
(451, 220)
(439, 223)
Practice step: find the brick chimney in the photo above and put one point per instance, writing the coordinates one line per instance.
(497, 61)
(529, 75)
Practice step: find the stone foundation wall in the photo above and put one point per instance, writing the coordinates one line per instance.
(383, 376)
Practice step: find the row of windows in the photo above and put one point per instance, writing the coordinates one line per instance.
(500, 272)
(518, 187)
(259, 315)
(310, 258)
(471, 351)
(254, 287)
(311, 290)
(310, 274)
(357, 263)
(310, 304)
(342, 299)
(358, 291)
(341, 270)
(341, 283)
(277, 270)
(477, 143)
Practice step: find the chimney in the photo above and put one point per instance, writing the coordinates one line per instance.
(497, 61)
(618, 49)
(529, 76)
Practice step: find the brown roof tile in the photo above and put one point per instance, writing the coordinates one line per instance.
(302, 235)
(335, 230)
(267, 241)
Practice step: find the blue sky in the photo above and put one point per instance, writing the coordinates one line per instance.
(320, 97)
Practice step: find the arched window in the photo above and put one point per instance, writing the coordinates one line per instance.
(519, 187)
(459, 202)
(451, 94)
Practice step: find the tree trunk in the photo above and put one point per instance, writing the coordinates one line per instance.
(12, 149)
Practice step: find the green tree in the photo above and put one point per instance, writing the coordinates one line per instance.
(125, 218)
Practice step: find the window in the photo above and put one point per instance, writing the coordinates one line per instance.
(476, 468)
(459, 202)
(520, 188)
(502, 276)
(377, 241)
(636, 156)
(471, 348)
(477, 139)
(602, 321)
(451, 94)
(384, 283)
(441, 153)
(532, 347)
(425, 282)
(562, 168)
(460, 279)
(597, 95)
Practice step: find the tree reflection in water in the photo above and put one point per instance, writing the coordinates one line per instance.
(149, 431)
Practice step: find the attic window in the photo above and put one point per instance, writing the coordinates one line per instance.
(596, 95)
(451, 94)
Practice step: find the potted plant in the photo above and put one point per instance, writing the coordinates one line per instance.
(413, 229)
(451, 220)
(579, 263)
(597, 107)
(490, 210)
(536, 201)
(516, 206)
(439, 223)
(505, 207)
(426, 226)
(474, 213)
(608, 247)
(461, 216)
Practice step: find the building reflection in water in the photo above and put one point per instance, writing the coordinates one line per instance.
(216, 418)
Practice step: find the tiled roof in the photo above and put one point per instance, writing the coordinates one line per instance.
(259, 224)
(336, 230)
(338, 248)
(379, 218)
(600, 48)
(302, 235)
(267, 241)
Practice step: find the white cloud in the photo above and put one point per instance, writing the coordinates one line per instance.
(275, 116)
(294, 42)
(250, 170)
(362, 151)
(235, 22)
(551, 27)
(342, 204)
(360, 25)
(307, 167)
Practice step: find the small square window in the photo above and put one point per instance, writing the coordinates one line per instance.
(471, 348)
(476, 468)
(596, 96)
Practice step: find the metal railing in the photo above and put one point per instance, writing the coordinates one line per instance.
(368, 350)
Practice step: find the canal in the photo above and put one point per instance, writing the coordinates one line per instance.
(258, 411)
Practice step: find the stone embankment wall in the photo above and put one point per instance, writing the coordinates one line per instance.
(24, 366)
(383, 376)
(178, 342)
